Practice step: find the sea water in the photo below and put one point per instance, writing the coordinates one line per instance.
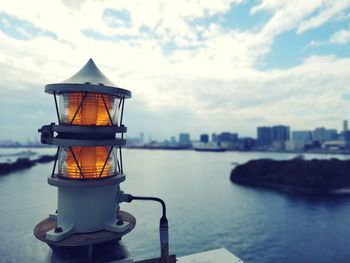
(205, 211)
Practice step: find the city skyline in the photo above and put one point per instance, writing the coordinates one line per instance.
(193, 136)
(191, 65)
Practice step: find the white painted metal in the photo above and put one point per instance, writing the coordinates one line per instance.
(221, 255)
(86, 209)
(88, 79)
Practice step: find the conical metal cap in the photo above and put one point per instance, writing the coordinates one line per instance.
(88, 79)
(90, 74)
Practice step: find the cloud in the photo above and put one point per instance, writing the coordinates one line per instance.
(330, 10)
(341, 37)
(286, 15)
(184, 76)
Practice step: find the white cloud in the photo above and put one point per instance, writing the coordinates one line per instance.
(303, 15)
(341, 37)
(330, 10)
(210, 78)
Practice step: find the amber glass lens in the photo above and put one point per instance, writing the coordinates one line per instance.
(91, 161)
(88, 108)
(92, 111)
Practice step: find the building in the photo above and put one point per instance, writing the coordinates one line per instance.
(345, 126)
(346, 136)
(302, 136)
(319, 134)
(322, 134)
(227, 137)
(331, 135)
(184, 139)
(264, 136)
(227, 140)
(300, 139)
(334, 145)
(204, 138)
(295, 145)
(280, 133)
(245, 143)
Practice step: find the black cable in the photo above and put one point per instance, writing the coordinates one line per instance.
(163, 225)
(149, 198)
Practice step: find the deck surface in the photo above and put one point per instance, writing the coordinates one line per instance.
(172, 259)
(84, 239)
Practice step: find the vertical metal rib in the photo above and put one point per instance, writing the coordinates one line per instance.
(76, 161)
(104, 165)
(121, 117)
(122, 113)
(109, 115)
(54, 165)
(118, 165)
(80, 105)
(121, 159)
(57, 111)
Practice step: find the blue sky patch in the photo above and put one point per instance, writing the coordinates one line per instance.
(117, 18)
(290, 48)
(346, 96)
(21, 29)
(238, 17)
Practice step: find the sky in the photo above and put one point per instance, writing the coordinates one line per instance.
(196, 66)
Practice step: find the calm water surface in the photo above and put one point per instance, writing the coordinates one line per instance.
(205, 211)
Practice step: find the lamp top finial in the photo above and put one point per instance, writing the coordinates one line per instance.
(91, 74)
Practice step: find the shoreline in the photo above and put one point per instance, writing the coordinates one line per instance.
(180, 148)
(290, 188)
(23, 164)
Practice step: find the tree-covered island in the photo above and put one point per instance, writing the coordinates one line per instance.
(311, 176)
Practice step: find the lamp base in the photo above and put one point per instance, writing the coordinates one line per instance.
(82, 239)
(86, 206)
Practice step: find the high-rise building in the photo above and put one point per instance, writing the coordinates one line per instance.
(213, 137)
(302, 136)
(264, 136)
(319, 134)
(280, 133)
(142, 137)
(227, 137)
(345, 126)
(204, 138)
(184, 139)
(345, 134)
